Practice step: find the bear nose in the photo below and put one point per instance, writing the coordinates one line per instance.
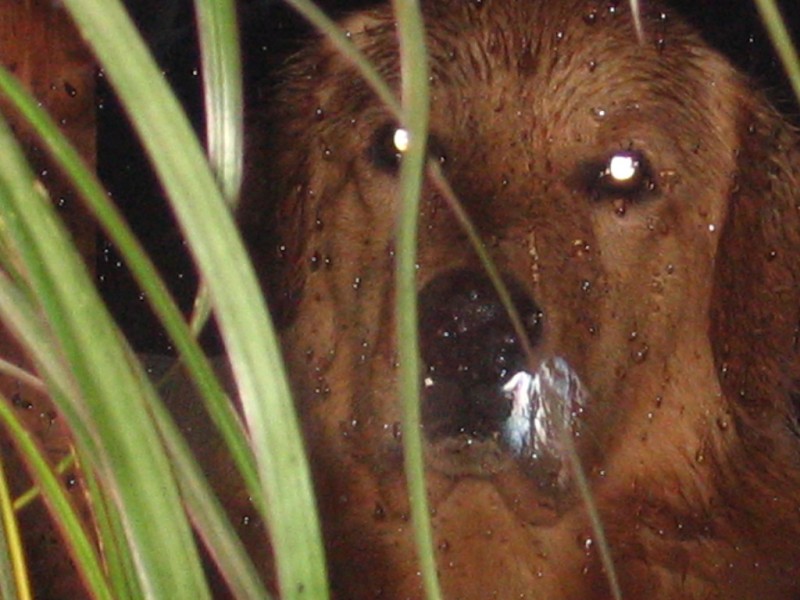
(469, 350)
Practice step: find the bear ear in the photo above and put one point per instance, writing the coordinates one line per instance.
(755, 306)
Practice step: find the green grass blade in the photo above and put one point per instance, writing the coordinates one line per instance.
(222, 90)
(14, 580)
(22, 320)
(415, 96)
(207, 514)
(584, 489)
(779, 34)
(241, 312)
(121, 570)
(33, 493)
(159, 298)
(81, 547)
(130, 458)
(91, 192)
(348, 50)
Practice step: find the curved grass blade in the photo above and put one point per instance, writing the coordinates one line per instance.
(208, 226)
(779, 34)
(217, 30)
(415, 97)
(217, 402)
(584, 489)
(209, 517)
(14, 579)
(222, 93)
(32, 493)
(91, 192)
(119, 563)
(117, 229)
(636, 15)
(222, 90)
(129, 456)
(345, 46)
(82, 549)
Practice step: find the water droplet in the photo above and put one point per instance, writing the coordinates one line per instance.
(598, 113)
(668, 179)
(348, 428)
(590, 18)
(70, 89)
(580, 248)
(700, 456)
(322, 388)
(314, 261)
(48, 417)
(639, 355)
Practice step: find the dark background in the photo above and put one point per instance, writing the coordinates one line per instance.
(270, 32)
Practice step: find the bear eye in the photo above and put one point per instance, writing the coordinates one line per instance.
(626, 173)
(389, 142)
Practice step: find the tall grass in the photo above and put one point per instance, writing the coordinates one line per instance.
(151, 503)
(147, 491)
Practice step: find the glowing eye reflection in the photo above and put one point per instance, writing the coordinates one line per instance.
(623, 167)
(400, 139)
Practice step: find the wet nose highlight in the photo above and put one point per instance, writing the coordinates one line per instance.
(470, 351)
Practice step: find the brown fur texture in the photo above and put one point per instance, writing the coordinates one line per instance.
(676, 305)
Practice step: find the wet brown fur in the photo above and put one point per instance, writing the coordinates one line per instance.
(680, 315)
